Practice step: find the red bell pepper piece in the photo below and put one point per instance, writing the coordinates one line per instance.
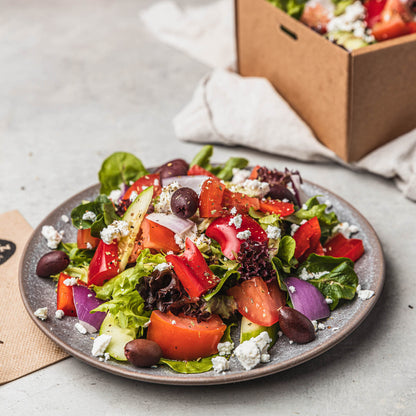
(226, 234)
(104, 265)
(276, 207)
(374, 9)
(192, 270)
(158, 237)
(85, 240)
(307, 239)
(339, 246)
(241, 202)
(144, 182)
(254, 173)
(210, 198)
(65, 297)
(198, 170)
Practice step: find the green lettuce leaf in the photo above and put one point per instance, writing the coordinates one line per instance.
(293, 8)
(284, 261)
(340, 280)
(78, 257)
(189, 367)
(119, 168)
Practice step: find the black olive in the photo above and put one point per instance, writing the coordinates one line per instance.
(176, 167)
(184, 202)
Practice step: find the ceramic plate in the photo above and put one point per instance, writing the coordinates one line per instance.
(40, 292)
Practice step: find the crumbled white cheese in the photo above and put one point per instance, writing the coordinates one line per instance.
(304, 206)
(220, 364)
(365, 294)
(273, 232)
(115, 196)
(64, 218)
(100, 345)
(328, 204)
(225, 348)
(251, 352)
(89, 246)
(233, 211)
(59, 314)
(133, 196)
(89, 216)
(106, 356)
(115, 230)
(321, 326)
(240, 175)
(162, 266)
(163, 202)
(306, 275)
(244, 235)
(41, 313)
(328, 301)
(236, 221)
(293, 229)
(52, 236)
(255, 188)
(80, 328)
(71, 281)
(292, 289)
(173, 322)
(345, 229)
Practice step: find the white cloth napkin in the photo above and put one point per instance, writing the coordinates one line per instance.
(233, 110)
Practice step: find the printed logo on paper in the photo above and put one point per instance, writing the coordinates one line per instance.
(7, 249)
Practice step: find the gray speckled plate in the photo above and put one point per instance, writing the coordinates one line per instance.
(37, 292)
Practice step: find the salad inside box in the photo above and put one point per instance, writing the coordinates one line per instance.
(167, 265)
(353, 24)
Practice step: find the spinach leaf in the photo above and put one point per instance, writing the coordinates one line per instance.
(189, 367)
(78, 257)
(327, 220)
(284, 261)
(119, 168)
(340, 281)
(224, 272)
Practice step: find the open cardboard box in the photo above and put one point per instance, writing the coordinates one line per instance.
(353, 101)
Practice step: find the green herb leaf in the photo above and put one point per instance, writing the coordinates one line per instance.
(189, 367)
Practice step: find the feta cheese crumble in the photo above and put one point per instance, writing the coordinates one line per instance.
(220, 364)
(162, 266)
(89, 216)
(233, 211)
(236, 221)
(80, 328)
(52, 236)
(225, 348)
(244, 235)
(133, 196)
(306, 275)
(71, 281)
(345, 229)
(64, 218)
(292, 289)
(163, 203)
(115, 230)
(59, 314)
(240, 175)
(293, 229)
(115, 196)
(273, 232)
(254, 351)
(100, 345)
(365, 294)
(41, 313)
(255, 188)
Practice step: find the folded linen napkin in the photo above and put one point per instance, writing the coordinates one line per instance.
(233, 110)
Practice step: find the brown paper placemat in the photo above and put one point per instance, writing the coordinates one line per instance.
(23, 347)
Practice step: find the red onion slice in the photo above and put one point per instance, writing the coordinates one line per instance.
(85, 301)
(174, 223)
(192, 181)
(307, 299)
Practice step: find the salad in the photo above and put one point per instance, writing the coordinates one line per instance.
(170, 266)
(353, 24)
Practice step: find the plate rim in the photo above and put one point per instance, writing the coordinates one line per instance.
(227, 377)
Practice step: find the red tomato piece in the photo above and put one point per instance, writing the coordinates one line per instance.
(85, 240)
(412, 26)
(158, 237)
(144, 182)
(198, 170)
(104, 264)
(210, 198)
(226, 234)
(315, 16)
(256, 302)
(307, 239)
(339, 246)
(241, 202)
(277, 207)
(65, 297)
(374, 9)
(393, 28)
(184, 338)
(193, 271)
(254, 173)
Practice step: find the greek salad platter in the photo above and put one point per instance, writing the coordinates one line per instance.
(198, 273)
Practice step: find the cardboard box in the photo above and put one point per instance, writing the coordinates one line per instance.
(353, 101)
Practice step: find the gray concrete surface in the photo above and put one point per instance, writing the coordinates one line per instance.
(80, 80)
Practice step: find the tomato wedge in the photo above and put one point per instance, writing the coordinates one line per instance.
(210, 199)
(241, 202)
(257, 302)
(158, 237)
(65, 296)
(85, 240)
(390, 29)
(144, 182)
(183, 337)
(198, 170)
(339, 246)
(273, 206)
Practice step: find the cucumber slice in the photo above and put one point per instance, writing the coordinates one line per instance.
(119, 337)
(134, 217)
(251, 330)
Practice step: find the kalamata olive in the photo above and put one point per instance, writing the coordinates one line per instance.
(142, 352)
(184, 202)
(176, 167)
(52, 263)
(295, 325)
(281, 192)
